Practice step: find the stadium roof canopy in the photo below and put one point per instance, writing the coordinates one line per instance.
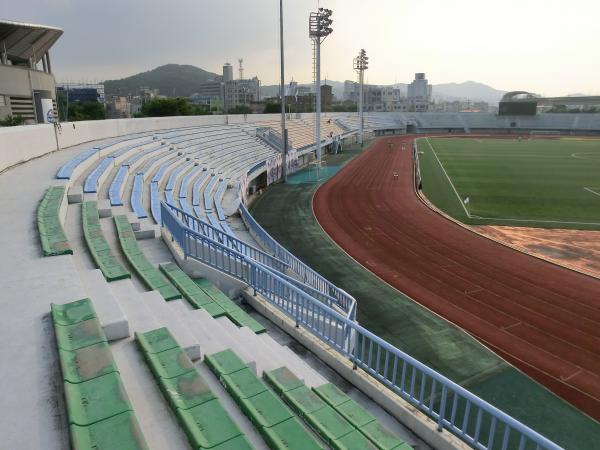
(23, 41)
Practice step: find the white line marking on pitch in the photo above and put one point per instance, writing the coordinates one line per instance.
(449, 180)
(592, 190)
(534, 220)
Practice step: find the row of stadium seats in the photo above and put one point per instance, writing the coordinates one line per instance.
(280, 428)
(101, 253)
(200, 413)
(52, 235)
(99, 412)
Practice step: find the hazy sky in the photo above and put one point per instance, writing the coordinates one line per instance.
(549, 47)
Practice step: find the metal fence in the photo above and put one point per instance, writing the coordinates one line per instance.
(455, 409)
(264, 258)
(226, 239)
(306, 274)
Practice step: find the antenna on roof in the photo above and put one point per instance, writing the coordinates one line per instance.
(241, 61)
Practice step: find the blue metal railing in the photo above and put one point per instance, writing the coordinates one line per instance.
(216, 234)
(307, 275)
(455, 409)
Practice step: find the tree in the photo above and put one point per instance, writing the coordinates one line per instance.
(162, 107)
(240, 109)
(11, 121)
(86, 111)
(272, 108)
(344, 107)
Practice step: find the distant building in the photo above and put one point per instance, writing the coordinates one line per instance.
(376, 98)
(119, 107)
(300, 99)
(419, 93)
(27, 86)
(226, 93)
(69, 93)
(241, 92)
(227, 72)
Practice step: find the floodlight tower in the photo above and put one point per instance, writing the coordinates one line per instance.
(319, 27)
(361, 63)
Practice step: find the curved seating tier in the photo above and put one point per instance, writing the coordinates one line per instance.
(98, 408)
(98, 246)
(52, 235)
(151, 276)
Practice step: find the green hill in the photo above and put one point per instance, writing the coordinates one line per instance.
(173, 80)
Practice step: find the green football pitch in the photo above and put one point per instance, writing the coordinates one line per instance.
(528, 182)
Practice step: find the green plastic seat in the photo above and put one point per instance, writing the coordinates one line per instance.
(355, 414)
(289, 435)
(329, 424)
(208, 425)
(52, 235)
(86, 363)
(169, 292)
(73, 312)
(282, 380)
(187, 390)
(304, 401)
(331, 394)
(224, 362)
(170, 363)
(242, 319)
(120, 432)
(96, 399)
(156, 341)
(243, 384)
(265, 409)
(353, 441)
(79, 335)
(213, 309)
(382, 437)
(101, 253)
(237, 443)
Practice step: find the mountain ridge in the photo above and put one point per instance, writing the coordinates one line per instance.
(183, 80)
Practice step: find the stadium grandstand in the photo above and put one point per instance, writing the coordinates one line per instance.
(27, 86)
(144, 307)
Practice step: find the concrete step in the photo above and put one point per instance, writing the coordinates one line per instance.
(168, 317)
(196, 324)
(140, 318)
(111, 316)
(293, 362)
(158, 424)
(267, 358)
(311, 377)
(214, 336)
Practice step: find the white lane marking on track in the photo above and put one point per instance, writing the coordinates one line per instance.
(449, 180)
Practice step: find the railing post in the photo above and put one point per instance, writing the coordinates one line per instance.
(355, 351)
(440, 426)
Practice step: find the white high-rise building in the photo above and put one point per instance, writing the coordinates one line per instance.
(227, 72)
(419, 93)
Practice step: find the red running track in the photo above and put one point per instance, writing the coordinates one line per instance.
(542, 318)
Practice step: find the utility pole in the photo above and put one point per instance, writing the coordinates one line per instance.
(282, 94)
(319, 27)
(361, 63)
